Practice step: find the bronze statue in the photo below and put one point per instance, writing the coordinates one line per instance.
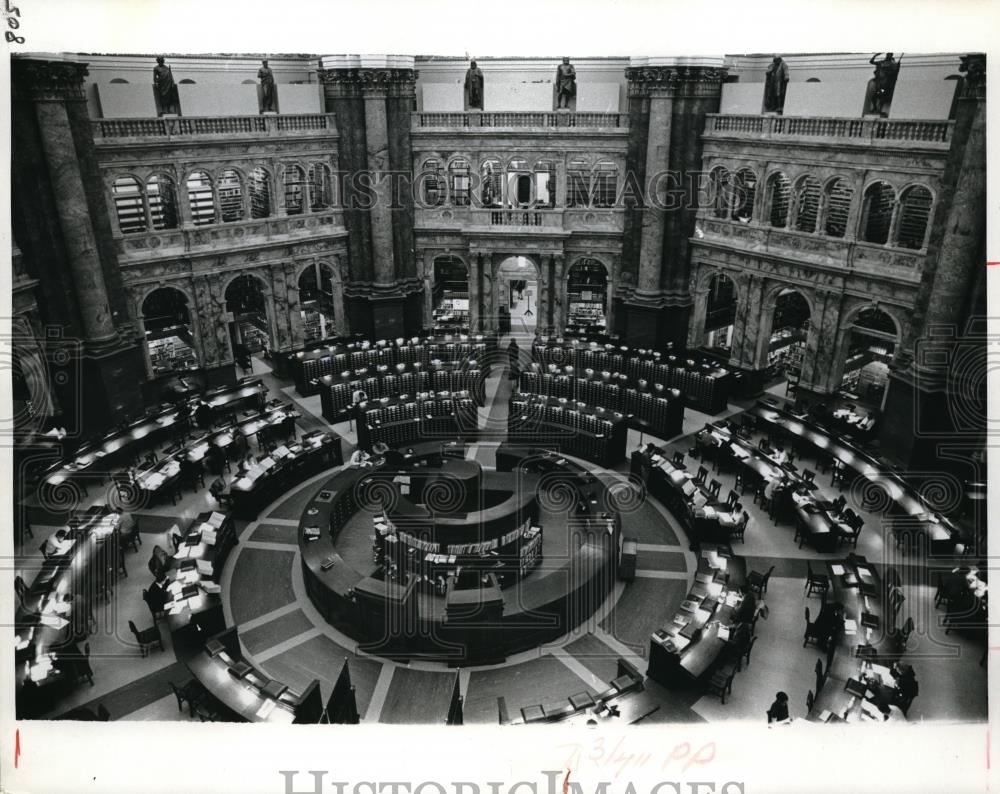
(565, 84)
(166, 90)
(269, 97)
(878, 97)
(474, 86)
(775, 81)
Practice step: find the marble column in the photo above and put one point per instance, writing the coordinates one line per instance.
(654, 217)
(428, 280)
(543, 309)
(818, 358)
(484, 262)
(377, 142)
(560, 295)
(696, 328)
(75, 223)
(475, 295)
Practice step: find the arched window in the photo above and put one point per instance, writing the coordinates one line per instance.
(460, 177)
(545, 183)
(807, 193)
(519, 187)
(778, 191)
(316, 301)
(578, 174)
(719, 180)
(129, 205)
(914, 214)
(877, 213)
(320, 187)
(162, 202)
(295, 199)
(839, 195)
(605, 184)
(199, 190)
(492, 190)
(231, 196)
(260, 193)
(433, 183)
(744, 194)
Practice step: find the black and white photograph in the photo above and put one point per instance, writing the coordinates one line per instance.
(555, 393)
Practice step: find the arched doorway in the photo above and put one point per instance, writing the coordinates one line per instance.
(249, 328)
(316, 302)
(517, 294)
(720, 315)
(169, 337)
(789, 331)
(450, 296)
(587, 297)
(869, 346)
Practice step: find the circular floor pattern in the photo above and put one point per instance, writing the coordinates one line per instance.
(284, 634)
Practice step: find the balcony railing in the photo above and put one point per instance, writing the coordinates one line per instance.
(508, 120)
(185, 126)
(863, 130)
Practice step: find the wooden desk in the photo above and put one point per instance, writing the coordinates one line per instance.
(939, 531)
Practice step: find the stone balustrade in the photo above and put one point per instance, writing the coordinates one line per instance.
(520, 119)
(172, 127)
(871, 131)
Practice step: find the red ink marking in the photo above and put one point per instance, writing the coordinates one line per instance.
(993, 264)
(17, 746)
(565, 786)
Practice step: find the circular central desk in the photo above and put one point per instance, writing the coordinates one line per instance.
(491, 607)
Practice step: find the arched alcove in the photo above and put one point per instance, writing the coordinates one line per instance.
(789, 331)
(587, 296)
(517, 292)
(720, 314)
(166, 318)
(869, 346)
(450, 295)
(316, 301)
(250, 328)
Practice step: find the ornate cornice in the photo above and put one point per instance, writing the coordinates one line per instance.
(670, 81)
(369, 82)
(974, 83)
(48, 81)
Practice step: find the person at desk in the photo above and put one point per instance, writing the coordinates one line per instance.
(779, 709)
(203, 415)
(906, 685)
(57, 544)
(830, 622)
(780, 456)
(892, 713)
(359, 459)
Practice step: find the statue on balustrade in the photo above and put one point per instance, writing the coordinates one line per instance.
(165, 88)
(268, 94)
(565, 84)
(775, 82)
(878, 97)
(474, 86)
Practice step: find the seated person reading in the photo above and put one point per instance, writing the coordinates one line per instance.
(57, 544)
(359, 458)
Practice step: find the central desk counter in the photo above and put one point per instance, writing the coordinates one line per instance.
(536, 608)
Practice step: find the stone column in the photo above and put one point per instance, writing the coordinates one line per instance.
(560, 295)
(475, 295)
(696, 328)
(428, 278)
(484, 262)
(926, 399)
(654, 217)
(377, 141)
(821, 343)
(543, 309)
(53, 84)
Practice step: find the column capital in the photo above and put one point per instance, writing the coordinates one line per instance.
(48, 81)
(974, 82)
(667, 82)
(369, 83)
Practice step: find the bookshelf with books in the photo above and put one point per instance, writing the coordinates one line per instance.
(594, 433)
(399, 421)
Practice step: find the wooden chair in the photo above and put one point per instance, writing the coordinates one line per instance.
(896, 599)
(808, 475)
(721, 682)
(739, 531)
(156, 605)
(678, 460)
(745, 655)
(176, 539)
(191, 692)
(20, 589)
(812, 633)
(217, 489)
(816, 582)
(820, 677)
(129, 529)
(146, 638)
(714, 487)
(903, 635)
(758, 581)
(850, 537)
(699, 478)
(941, 594)
(732, 499)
